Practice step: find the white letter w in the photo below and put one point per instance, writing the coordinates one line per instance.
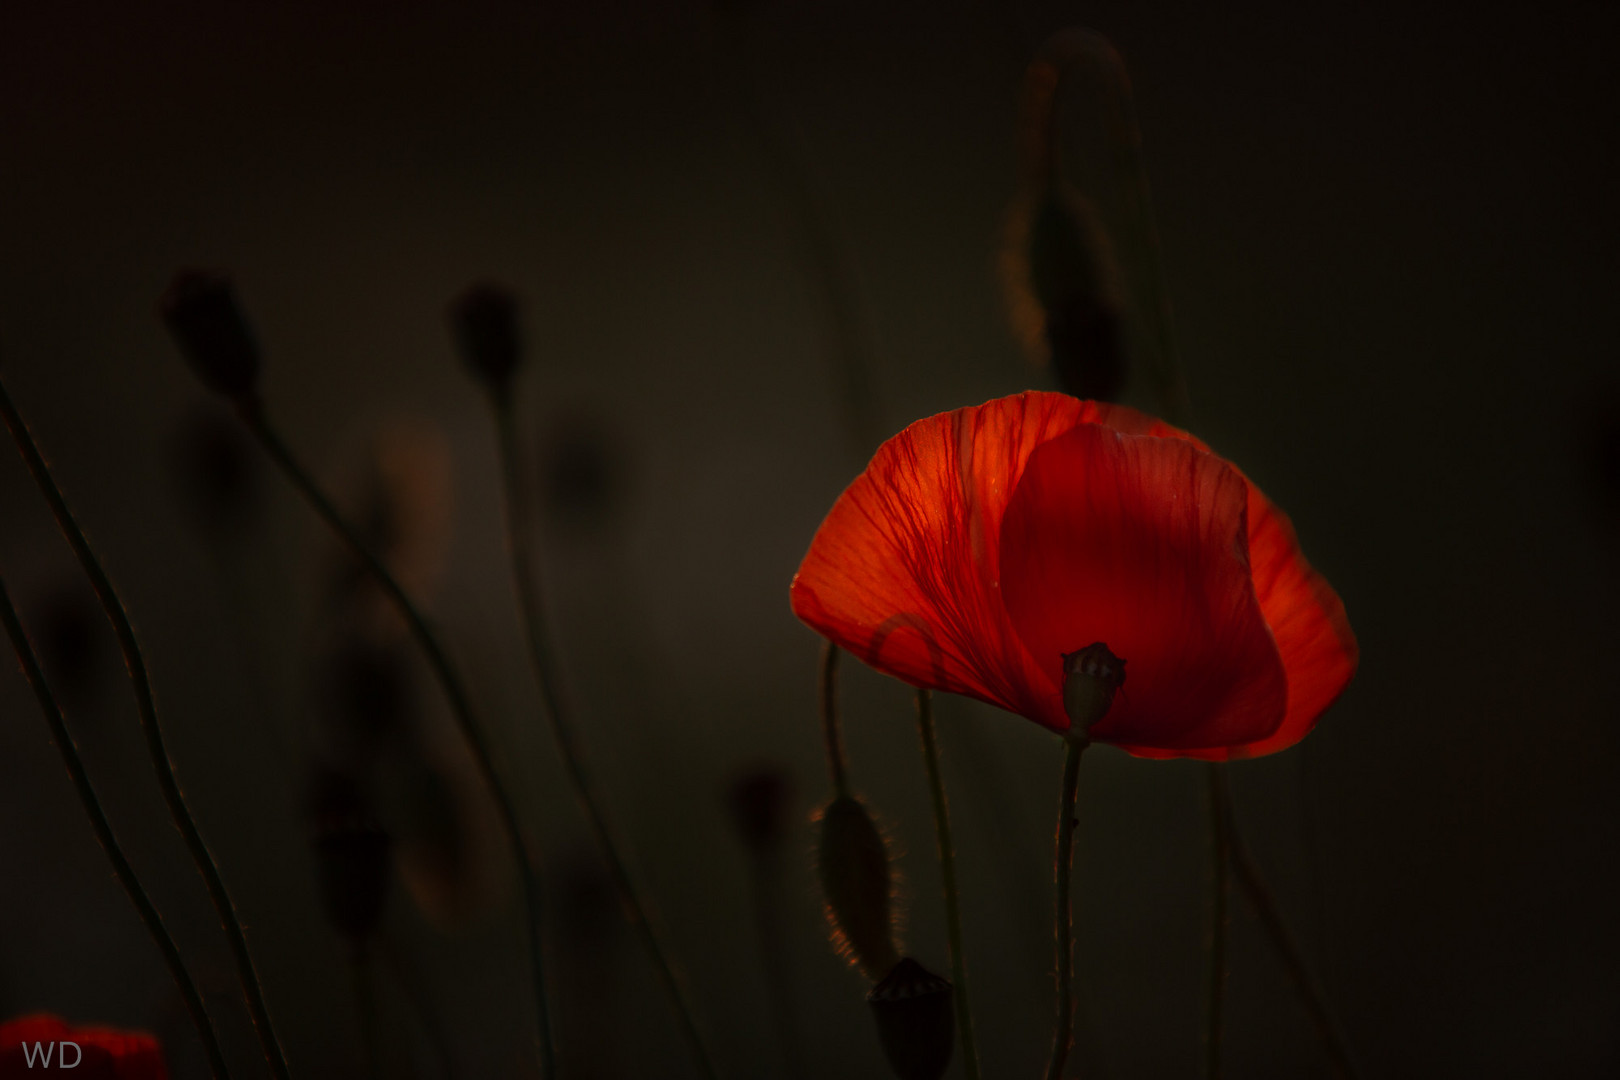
(42, 1051)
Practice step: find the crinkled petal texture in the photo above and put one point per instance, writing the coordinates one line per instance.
(981, 544)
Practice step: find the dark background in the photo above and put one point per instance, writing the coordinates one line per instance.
(1390, 239)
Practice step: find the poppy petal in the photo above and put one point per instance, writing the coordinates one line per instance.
(1141, 542)
(904, 573)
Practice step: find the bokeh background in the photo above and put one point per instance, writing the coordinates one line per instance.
(1389, 235)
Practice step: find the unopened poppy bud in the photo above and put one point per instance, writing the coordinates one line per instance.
(353, 858)
(1090, 677)
(916, 1020)
(852, 861)
(758, 800)
(202, 315)
(484, 321)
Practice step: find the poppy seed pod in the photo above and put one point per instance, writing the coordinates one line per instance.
(852, 861)
(1090, 677)
(915, 1012)
(484, 322)
(202, 315)
(353, 858)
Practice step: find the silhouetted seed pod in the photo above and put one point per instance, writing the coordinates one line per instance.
(1088, 350)
(484, 322)
(202, 315)
(852, 861)
(758, 800)
(353, 857)
(916, 1020)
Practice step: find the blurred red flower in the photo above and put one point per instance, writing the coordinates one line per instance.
(31, 1045)
(981, 545)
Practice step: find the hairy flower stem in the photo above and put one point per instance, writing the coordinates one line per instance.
(109, 842)
(1220, 844)
(1063, 910)
(1288, 951)
(836, 761)
(947, 873)
(146, 706)
(253, 415)
(542, 657)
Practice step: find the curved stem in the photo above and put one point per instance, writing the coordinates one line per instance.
(109, 842)
(162, 765)
(542, 657)
(253, 415)
(1063, 911)
(1288, 951)
(1221, 893)
(947, 873)
(837, 763)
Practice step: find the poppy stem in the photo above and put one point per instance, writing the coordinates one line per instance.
(162, 765)
(1063, 910)
(836, 761)
(1282, 940)
(542, 658)
(109, 842)
(365, 1007)
(947, 873)
(253, 415)
(1220, 843)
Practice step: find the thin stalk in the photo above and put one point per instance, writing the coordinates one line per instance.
(1220, 844)
(1287, 948)
(837, 763)
(109, 842)
(162, 764)
(543, 659)
(947, 873)
(253, 415)
(365, 1007)
(1063, 910)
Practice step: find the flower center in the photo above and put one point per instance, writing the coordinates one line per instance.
(1090, 677)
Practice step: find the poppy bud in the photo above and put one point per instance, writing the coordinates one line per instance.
(352, 858)
(1090, 677)
(484, 321)
(202, 315)
(852, 861)
(759, 800)
(916, 1020)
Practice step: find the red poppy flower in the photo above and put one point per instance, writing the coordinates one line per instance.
(981, 545)
(30, 1045)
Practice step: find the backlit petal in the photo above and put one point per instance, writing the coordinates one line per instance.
(904, 573)
(1141, 542)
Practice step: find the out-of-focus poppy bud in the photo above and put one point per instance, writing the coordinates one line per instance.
(202, 315)
(852, 860)
(1063, 292)
(368, 692)
(484, 322)
(353, 857)
(916, 1020)
(759, 800)
(42, 1043)
(215, 474)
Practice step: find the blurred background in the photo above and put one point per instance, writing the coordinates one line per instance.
(1389, 239)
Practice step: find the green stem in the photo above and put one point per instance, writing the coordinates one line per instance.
(542, 657)
(1220, 844)
(947, 873)
(253, 415)
(162, 765)
(837, 763)
(1063, 910)
(109, 842)
(1288, 951)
